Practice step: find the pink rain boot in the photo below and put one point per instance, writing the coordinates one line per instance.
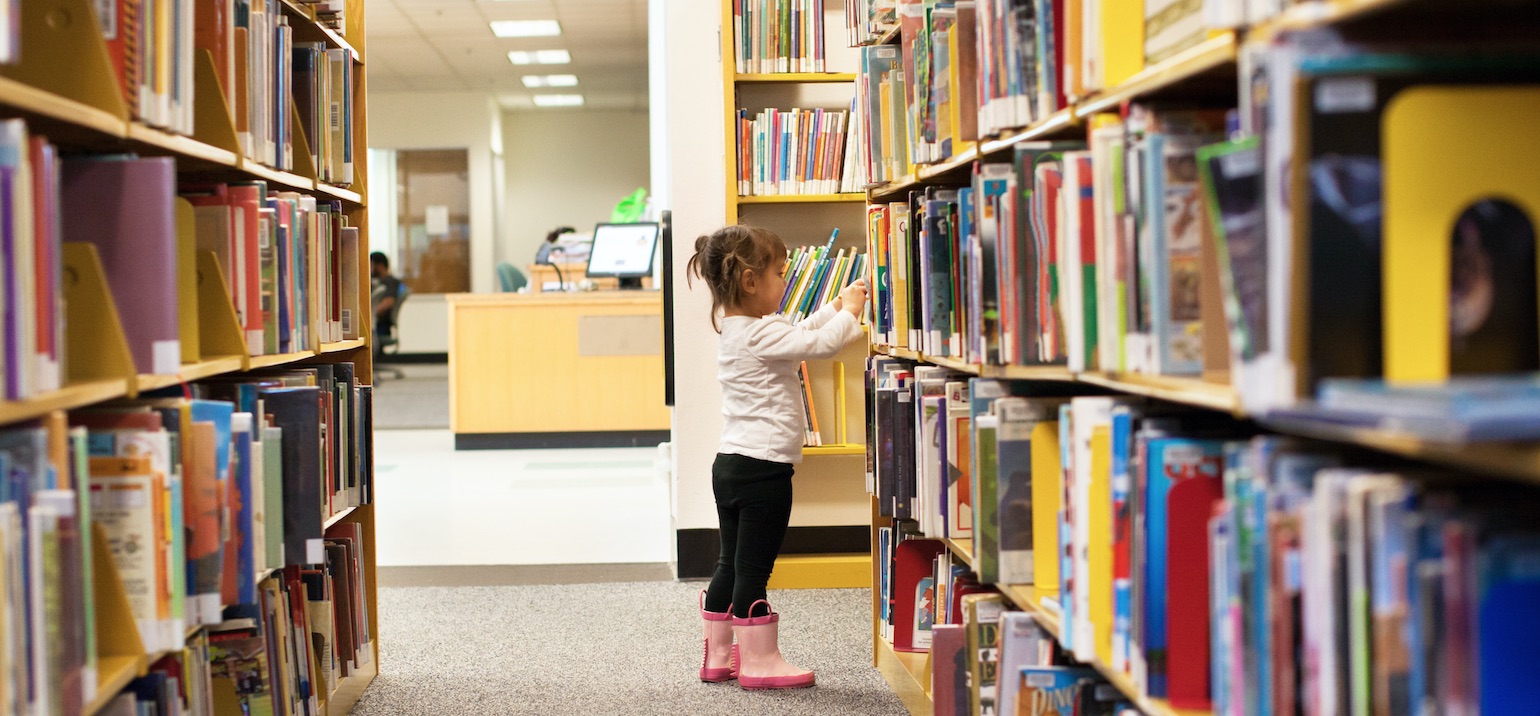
(720, 662)
(762, 666)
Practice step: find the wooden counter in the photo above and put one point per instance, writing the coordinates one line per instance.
(552, 370)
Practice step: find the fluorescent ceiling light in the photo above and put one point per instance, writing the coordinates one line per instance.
(550, 80)
(525, 28)
(540, 57)
(558, 100)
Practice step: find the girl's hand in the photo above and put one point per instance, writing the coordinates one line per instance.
(853, 298)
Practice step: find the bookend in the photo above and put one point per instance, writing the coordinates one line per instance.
(63, 52)
(187, 281)
(304, 161)
(219, 329)
(120, 652)
(93, 333)
(212, 123)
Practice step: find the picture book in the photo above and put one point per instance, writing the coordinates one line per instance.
(1051, 690)
(982, 615)
(949, 670)
(1171, 461)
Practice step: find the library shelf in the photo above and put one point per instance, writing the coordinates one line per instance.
(1177, 389)
(277, 176)
(1214, 57)
(963, 548)
(351, 688)
(887, 38)
(206, 368)
(907, 673)
(343, 346)
(277, 359)
(339, 517)
(1028, 599)
(846, 449)
(336, 192)
(793, 77)
(1053, 126)
(1513, 460)
(112, 674)
(183, 147)
(42, 104)
(67, 398)
(803, 199)
(312, 30)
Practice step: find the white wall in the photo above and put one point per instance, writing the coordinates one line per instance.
(683, 39)
(568, 168)
(448, 120)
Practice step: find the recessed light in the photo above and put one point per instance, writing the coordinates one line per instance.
(558, 100)
(525, 28)
(539, 57)
(550, 80)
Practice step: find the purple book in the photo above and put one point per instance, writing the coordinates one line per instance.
(125, 207)
(12, 288)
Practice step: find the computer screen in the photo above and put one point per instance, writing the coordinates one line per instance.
(623, 250)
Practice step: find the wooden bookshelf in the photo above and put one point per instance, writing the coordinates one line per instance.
(907, 673)
(963, 548)
(64, 88)
(826, 450)
(1216, 55)
(803, 199)
(794, 77)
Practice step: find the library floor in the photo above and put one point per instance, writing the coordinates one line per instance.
(536, 581)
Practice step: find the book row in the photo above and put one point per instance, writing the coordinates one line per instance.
(1214, 567)
(308, 631)
(193, 501)
(281, 93)
(986, 657)
(291, 263)
(778, 36)
(797, 151)
(815, 277)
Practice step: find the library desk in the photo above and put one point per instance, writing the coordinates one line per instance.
(573, 273)
(548, 370)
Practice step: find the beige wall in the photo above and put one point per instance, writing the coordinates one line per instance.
(567, 168)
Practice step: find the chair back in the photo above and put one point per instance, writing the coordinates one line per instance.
(510, 278)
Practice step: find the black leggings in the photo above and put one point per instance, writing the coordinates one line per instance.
(753, 508)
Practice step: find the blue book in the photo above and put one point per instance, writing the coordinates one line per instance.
(1169, 461)
(1508, 626)
(1122, 533)
(1051, 690)
(1067, 583)
(241, 427)
(939, 301)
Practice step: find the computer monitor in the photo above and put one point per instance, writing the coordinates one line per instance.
(623, 251)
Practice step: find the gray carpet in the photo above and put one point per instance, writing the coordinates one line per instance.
(419, 400)
(606, 649)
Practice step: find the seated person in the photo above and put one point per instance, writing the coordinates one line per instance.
(543, 254)
(384, 290)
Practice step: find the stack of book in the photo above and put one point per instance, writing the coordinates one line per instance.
(796, 151)
(814, 277)
(33, 330)
(777, 36)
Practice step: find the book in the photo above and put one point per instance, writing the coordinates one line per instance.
(949, 670)
(981, 613)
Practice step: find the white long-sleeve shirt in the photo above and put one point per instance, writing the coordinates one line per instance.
(757, 364)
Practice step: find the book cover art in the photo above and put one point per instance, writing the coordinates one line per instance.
(1051, 690)
(982, 615)
(1170, 462)
(1016, 418)
(1023, 643)
(949, 670)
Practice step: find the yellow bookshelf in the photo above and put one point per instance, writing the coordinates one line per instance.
(803, 199)
(794, 77)
(64, 87)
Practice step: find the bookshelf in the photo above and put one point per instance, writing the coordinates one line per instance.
(65, 89)
(1209, 74)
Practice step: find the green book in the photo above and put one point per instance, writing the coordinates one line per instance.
(986, 520)
(80, 464)
(981, 614)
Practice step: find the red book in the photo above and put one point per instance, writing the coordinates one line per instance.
(246, 200)
(1189, 507)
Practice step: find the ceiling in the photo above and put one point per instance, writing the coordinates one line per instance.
(447, 46)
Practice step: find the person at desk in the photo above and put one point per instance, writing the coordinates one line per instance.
(543, 254)
(384, 290)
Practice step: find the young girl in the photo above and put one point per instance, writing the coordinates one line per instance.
(758, 357)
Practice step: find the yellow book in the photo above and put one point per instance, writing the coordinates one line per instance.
(1122, 40)
(1459, 210)
(898, 250)
(1047, 496)
(1099, 550)
(1070, 72)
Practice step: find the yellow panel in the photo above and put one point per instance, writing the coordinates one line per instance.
(1427, 192)
(1047, 481)
(1100, 546)
(1122, 45)
(62, 51)
(117, 634)
(97, 347)
(219, 329)
(212, 123)
(822, 571)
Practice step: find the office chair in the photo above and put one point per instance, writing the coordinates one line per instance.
(510, 278)
(393, 340)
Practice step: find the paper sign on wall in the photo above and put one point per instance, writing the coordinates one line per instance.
(438, 219)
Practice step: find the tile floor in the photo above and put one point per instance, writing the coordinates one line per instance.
(437, 506)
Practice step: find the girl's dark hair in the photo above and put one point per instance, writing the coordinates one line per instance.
(722, 256)
(557, 232)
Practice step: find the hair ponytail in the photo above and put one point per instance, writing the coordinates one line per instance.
(722, 256)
